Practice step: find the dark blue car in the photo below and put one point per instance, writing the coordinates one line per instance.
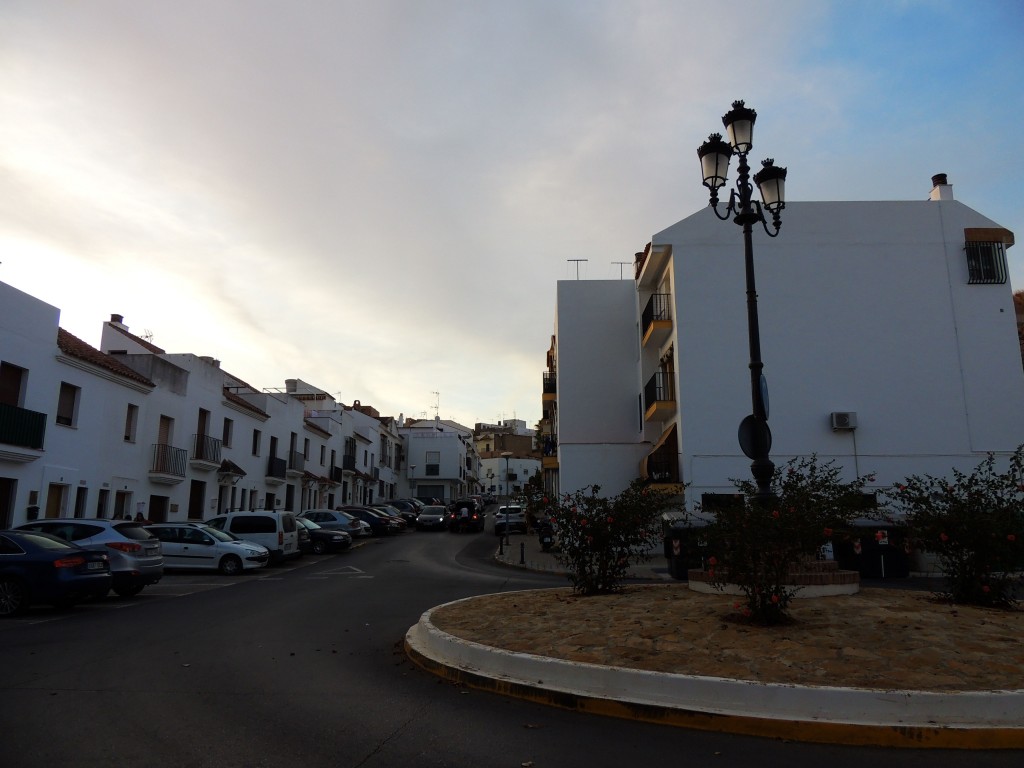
(40, 568)
(380, 523)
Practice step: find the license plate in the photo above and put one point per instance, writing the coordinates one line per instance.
(94, 566)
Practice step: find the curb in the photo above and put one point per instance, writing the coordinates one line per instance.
(849, 716)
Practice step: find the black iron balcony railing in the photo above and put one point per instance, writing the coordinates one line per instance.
(296, 461)
(660, 388)
(335, 474)
(22, 427)
(205, 448)
(348, 463)
(276, 467)
(168, 460)
(550, 383)
(659, 307)
(663, 467)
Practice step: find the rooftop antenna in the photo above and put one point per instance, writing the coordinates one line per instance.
(437, 404)
(621, 265)
(577, 266)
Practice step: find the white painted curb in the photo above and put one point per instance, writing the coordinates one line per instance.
(721, 696)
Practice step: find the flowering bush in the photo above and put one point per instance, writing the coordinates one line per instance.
(974, 524)
(757, 545)
(600, 538)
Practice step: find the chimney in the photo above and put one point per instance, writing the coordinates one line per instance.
(118, 321)
(941, 189)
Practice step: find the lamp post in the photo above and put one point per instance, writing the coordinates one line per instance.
(412, 480)
(754, 436)
(508, 490)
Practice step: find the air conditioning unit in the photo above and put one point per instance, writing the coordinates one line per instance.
(844, 420)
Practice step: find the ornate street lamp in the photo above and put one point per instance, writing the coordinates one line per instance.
(754, 436)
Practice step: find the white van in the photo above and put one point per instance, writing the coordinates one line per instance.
(277, 531)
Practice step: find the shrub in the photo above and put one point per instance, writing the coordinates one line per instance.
(600, 538)
(756, 545)
(974, 524)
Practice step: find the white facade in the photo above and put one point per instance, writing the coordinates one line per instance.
(131, 429)
(865, 308)
(442, 462)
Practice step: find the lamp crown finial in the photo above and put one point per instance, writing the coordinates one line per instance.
(768, 161)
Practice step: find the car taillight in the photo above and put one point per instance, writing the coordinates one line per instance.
(125, 546)
(280, 537)
(68, 562)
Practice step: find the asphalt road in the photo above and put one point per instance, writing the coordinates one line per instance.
(302, 665)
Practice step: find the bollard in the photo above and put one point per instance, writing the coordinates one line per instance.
(501, 546)
(522, 553)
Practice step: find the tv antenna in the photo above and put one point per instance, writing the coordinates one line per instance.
(621, 265)
(577, 266)
(437, 404)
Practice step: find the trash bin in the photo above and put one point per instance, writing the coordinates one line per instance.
(877, 549)
(685, 546)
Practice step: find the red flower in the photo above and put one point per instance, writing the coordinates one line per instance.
(545, 499)
(1011, 537)
(735, 605)
(775, 598)
(944, 537)
(611, 520)
(775, 514)
(712, 561)
(985, 589)
(828, 533)
(902, 487)
(583, 522)
(746, 611)
(879, 535)
(711, 573)
(590, 539)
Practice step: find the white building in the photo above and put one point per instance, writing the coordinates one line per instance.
(442, 462)
(131, 429)
(888, 337)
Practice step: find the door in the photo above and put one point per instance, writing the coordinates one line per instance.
(198, 550)
(56, 500)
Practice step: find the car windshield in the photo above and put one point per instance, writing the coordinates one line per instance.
(134, 531)
(219, 535)
(307, 523)
(433, 511)
(44, 541)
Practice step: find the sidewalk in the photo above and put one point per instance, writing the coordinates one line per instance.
(523, 551)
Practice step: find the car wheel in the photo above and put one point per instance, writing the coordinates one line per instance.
(319, 547)
(129, 590)
(13, 597)
(230, 565)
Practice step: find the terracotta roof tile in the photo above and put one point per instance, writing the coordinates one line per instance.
(74, 347)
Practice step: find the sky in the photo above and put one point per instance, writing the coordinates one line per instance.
(379, 196)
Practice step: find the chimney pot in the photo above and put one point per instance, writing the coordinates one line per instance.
(117, 319)
(939, 178)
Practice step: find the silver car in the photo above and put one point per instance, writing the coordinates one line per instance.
(336, 520)
(136, 558)
(194, 545)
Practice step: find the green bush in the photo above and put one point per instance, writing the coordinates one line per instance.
(974, 524)
(756, 545)
(600, 539)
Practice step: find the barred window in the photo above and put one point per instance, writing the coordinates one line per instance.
(986, 263)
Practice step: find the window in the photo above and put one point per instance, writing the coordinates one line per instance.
(256, 442)
(305, 449)
(229, 427)
(131, 421)
(433, 468)
(986, 263)
(67, 404)
(323, 454)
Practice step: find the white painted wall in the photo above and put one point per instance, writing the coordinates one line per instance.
(599, 420)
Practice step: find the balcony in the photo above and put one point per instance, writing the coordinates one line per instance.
(277, 470)
(168, 467)
(656, 319)
(348, 463)
(650, 266)
(296, 464)
(660, 397)
(335, 475)
(550, 391)
(660, 467)
(205, 453)
(21, 433)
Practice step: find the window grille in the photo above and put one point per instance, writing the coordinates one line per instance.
(986, 263)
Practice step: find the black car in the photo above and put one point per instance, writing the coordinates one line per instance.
(466, 515)
(321, 540)
(380, 523)
(40, 568)
(406, 509)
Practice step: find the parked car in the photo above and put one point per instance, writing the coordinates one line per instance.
(511, 518)
(393, 513)
(196, 545)
(277, 531)
(336, 520)
(406, 509)
(380, 524)
(465, 516)
(135, 555)
(40, 568)
(432, 519)
(320, 540)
